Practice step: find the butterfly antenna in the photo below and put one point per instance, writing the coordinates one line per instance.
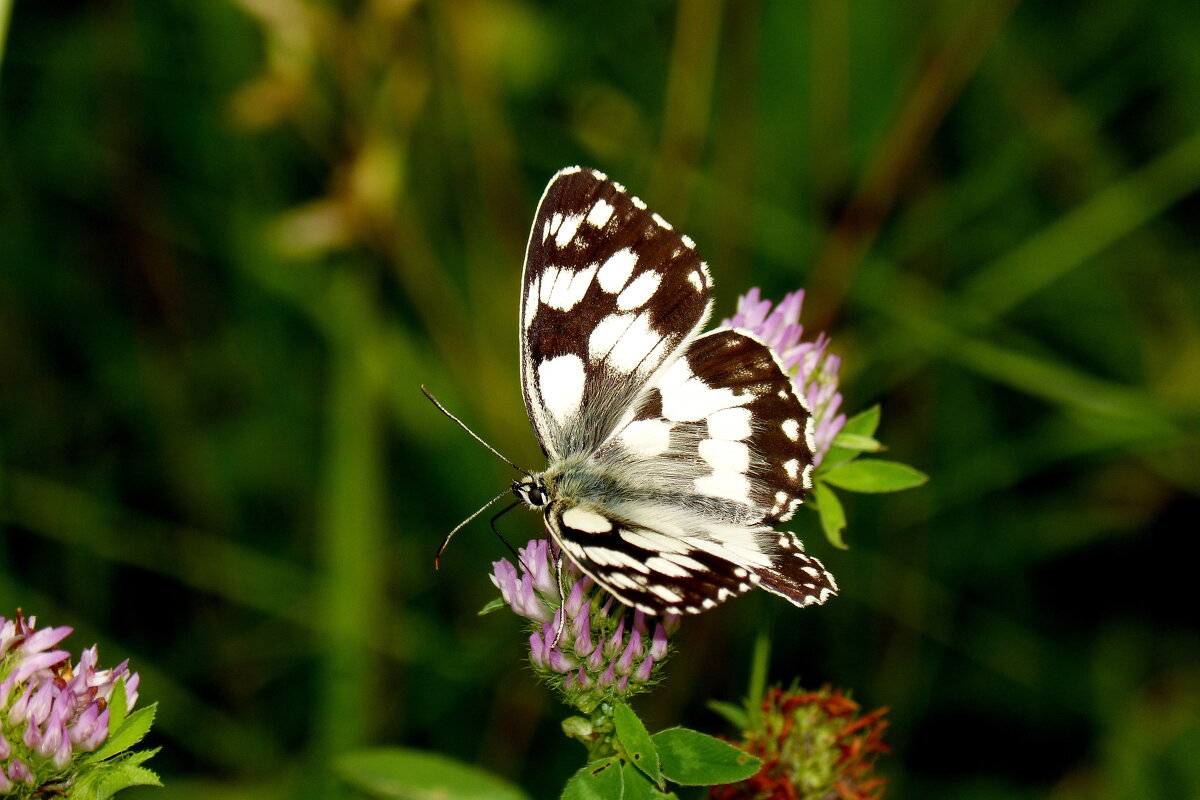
(438, 557)
(474, 436)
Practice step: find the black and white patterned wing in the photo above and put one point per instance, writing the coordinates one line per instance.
(680, 570)
(610, 293)
(721, 431)
(718, 451)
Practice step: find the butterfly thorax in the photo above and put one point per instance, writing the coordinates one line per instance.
(610, 488)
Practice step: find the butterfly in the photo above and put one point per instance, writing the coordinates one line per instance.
(672, 453)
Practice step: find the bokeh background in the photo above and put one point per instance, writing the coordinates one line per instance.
(236, 235)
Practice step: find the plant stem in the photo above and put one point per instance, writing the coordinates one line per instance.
(758, 675)
(5, 13)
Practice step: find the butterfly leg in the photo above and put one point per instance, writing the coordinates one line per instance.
(562, 600)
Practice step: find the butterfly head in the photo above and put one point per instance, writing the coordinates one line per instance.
(531, 491)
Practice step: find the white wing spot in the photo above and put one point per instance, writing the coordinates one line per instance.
(662, 565)
(566, 232)
(624, 341)
(695, 280)
(606, 557)
(565, 288)
(666, 594)
(740, 572)
(784, 541)
(725, 456)
(687, 398)
(660, 542)
(731, 424)
(729, 485)
(617, 269)
(791, 427)
(637, 201)
(560, 381)
(723, 594)
(531, 301)
(685, 561)
(807, 476)
(709, 603)
(792, 468)
(601, 213)
(810, 436)
(581, 519)
(687, 242)
(622, 580)
(637, 293)
(598, 175)
(546, 230)
(743, 587)
(661, 222)
(647, 438)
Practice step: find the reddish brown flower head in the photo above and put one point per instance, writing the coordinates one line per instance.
(814, 746)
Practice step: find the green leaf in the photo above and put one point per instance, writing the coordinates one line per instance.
(863, 423)
(852, 441)
(135, 727)
(875, 475)
(639, 787)
(859, 429)
(494, 604)
(735, 714)
(123, 777)
(833, 516)
(637, 784)
(397, 773)
(118, 706)
(112, 776)
(600, 780)
(692, 758)
(636, 740)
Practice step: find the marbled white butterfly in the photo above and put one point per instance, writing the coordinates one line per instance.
(672, 454)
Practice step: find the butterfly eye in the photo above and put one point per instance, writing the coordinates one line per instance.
(531, 493)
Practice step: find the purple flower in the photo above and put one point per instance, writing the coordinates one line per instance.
(602, 650)
(50, 711)
(814, 371)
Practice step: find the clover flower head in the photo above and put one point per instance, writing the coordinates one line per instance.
(813, 369)
(50, 710)
(814, 746)
(586, 645)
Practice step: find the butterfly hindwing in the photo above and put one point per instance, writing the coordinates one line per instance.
(686, 571)
(610, 292)
(724, 422)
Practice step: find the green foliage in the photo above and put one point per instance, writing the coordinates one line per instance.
(692, 758)
(635, 741)
(235, 236)
(395, 773)
(875, 475)
(113, 767)
(599, 780)
(679, 755)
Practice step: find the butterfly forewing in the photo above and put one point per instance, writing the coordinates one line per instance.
(671, 454)
(610, 293)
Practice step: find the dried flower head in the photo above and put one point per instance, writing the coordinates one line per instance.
(814, 746)
(813, 369)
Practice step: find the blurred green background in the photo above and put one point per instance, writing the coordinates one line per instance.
(235, 235)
